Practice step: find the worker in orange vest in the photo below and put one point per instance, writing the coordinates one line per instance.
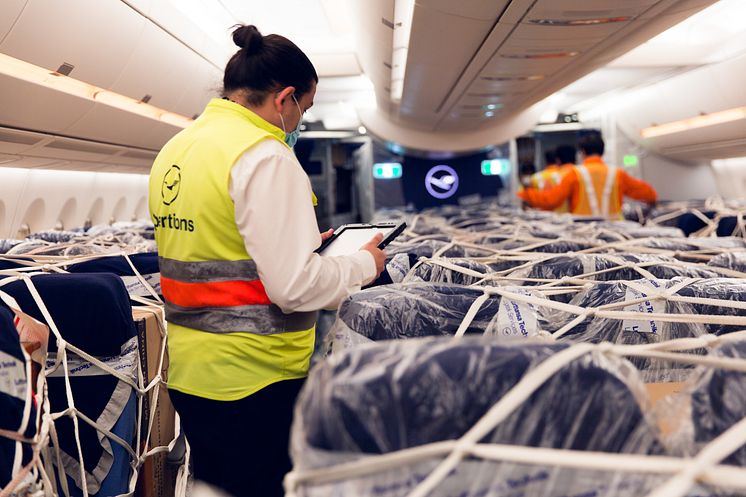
(593, 188)
(559, 163)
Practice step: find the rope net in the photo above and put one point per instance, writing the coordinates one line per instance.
(89, 409)
(527, 354)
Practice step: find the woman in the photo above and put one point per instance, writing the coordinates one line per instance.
(236, 232)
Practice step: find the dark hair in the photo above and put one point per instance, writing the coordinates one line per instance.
(526, 168)
(566, 154)
(592, 144)
(550, 157)
(265, 64)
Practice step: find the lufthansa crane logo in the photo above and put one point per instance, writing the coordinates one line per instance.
(171, 185)
(441, 181)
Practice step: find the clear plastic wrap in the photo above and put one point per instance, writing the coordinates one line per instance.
(18, 415)
(28, 246)
(7, 244)
(414, 310)
(388, 397)
(718, 401)
(407, 311)
(54, 236)
(732, 260)
(609, 268)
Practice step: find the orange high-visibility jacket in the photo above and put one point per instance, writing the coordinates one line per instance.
(550, 177)
(591, 190)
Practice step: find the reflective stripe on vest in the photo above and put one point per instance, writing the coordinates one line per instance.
(606, 199)
(224, 297)
(590, 190)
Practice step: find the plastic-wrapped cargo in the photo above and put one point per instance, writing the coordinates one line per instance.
(473, 271)
(54, 236)
(17, 407)
(146, 265)
(96, 317)
(608, 267)
(8, 243)
(718, 401)
(636, 330)
(425, 248)
(414, 310)
(407, 311)
(28, 246)
(403, 395)
(731, 260)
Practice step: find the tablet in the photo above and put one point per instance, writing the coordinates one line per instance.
(349, 238)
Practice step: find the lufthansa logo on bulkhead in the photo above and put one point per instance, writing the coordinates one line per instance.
(171, 185)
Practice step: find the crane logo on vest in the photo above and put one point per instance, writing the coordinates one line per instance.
(171, 185)
(170, 189)
(441, 182)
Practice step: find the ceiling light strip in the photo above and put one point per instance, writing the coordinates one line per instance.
(702, 121)
(403, 13)
(25, 71)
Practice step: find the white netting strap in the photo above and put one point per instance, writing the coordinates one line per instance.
(706, 468)
(141, 279)
(471, 314)
(46, 418)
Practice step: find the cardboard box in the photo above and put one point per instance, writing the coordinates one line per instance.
(157, 478)
(669, 420)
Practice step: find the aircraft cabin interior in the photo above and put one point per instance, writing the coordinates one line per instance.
(373, 248)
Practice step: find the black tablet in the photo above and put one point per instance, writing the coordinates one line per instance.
(349, 238)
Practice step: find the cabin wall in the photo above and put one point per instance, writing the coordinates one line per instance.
(45, 199)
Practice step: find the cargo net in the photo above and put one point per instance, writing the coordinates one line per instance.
(611, 364)
(82, 384)
(711, 217)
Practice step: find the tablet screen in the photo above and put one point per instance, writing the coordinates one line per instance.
(351, 239)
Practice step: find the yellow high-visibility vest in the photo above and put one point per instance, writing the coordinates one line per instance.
(226, 338)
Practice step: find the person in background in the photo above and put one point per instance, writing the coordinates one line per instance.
(526, 171)
(593, 188)
(563, 160)
(236, 234)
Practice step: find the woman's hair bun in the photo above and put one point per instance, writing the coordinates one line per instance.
(248, 38)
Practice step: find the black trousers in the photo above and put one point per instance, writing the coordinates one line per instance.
(241, 446)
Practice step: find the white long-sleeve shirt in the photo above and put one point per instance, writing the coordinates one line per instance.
(274, 214)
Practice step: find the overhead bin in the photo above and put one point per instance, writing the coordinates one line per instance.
(719, 95)
(49, 33)
(133, 56)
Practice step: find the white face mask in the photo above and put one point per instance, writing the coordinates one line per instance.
(292, 138)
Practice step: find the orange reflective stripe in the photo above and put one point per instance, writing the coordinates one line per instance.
(215, 293)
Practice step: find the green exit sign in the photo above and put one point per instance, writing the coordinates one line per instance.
(387, 170)
(495, 167)
(631, 161)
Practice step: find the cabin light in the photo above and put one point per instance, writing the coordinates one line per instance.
(489, 113)
(403, 13)
(362, 130)
(702, 121)
(25, 71)
(554, 55)
(580, 22)
(533, 77)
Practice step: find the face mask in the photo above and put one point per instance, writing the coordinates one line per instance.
(292, 138)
